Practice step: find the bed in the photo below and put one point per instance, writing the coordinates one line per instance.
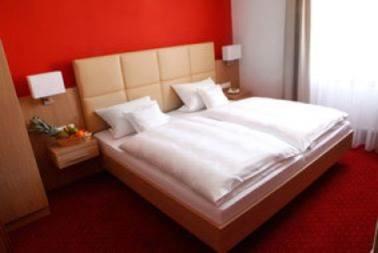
(108, 80)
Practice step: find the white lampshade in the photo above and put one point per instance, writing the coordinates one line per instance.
(231, 52)
(46, 84)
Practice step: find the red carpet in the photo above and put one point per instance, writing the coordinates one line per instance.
(336, 214)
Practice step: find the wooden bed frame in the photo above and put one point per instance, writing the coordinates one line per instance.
(113, 79)
(223, 238)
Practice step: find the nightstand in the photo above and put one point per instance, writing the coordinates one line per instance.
(64, 157)
(238, 96)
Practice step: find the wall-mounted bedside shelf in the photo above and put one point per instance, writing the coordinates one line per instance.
(64, 157)
(238, 96)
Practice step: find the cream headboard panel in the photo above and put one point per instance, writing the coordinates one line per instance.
(108, 80)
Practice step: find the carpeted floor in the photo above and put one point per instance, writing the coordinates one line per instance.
(99, 214)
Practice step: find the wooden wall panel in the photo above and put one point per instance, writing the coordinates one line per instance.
(65, 109)
(21, 189)
(227, 73)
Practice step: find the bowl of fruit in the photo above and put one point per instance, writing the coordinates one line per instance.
(65, 135)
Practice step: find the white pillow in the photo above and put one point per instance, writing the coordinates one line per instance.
(114, 116)
(189, 96)
(213, 97)
(147, 117)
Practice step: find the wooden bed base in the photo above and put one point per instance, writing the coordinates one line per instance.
(223, 238)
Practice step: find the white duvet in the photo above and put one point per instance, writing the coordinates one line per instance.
(211, 157)
(296, 123)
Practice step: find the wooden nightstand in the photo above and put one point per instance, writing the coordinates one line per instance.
(240, 95)
(64, 157)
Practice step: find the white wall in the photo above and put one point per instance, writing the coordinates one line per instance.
(259, 25)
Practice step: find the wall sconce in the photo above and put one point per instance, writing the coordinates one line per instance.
(231, 53)
(43, 86)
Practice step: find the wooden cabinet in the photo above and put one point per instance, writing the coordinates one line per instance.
(21, 190)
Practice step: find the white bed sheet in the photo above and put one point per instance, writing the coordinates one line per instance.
(178, 113)
(244, 196)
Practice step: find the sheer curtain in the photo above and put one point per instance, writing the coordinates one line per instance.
(344, 63)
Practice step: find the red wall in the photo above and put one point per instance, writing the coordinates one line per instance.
(45, 35)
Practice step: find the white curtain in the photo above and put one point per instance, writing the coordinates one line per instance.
(344, 63)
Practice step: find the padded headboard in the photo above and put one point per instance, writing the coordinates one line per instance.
(108, 80)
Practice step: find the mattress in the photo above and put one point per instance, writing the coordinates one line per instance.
(241, 198)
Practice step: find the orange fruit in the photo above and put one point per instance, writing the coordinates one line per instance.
(80, 133)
